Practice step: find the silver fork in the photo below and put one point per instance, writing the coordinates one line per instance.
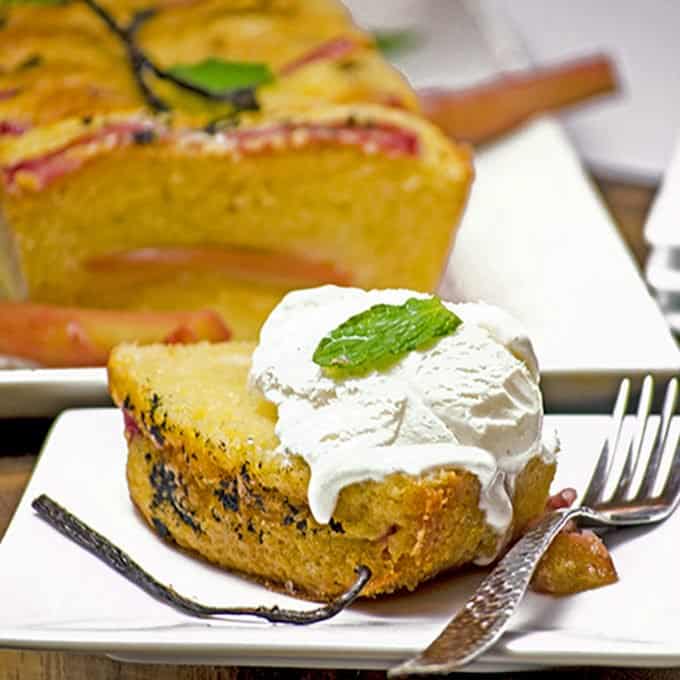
(484, 617)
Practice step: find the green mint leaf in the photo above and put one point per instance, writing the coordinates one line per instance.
(220, 76)
(394, 42)
(381, 335)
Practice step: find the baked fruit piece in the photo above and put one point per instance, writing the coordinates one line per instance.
(575, 561)
(206, 469)
(107, 203)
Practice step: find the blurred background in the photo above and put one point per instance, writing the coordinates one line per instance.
(626, 141)
(630, 137)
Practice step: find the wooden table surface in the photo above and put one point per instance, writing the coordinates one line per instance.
(21, 441)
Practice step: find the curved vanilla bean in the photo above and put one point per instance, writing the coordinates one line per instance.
(138, 60)
(138, 19)
(107, 19)
(86, 537)
(241, 99)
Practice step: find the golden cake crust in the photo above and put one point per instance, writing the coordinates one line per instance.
(61, 61)
(202, 470)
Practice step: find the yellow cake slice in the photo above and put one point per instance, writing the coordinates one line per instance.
(204, 472)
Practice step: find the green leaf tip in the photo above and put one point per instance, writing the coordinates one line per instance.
(394, 42)
(219, 76)
(379, 336)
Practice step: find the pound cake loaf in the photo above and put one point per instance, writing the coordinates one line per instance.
(120, 189)
(259, 460)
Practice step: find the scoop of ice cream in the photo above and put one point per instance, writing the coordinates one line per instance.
(470, 400)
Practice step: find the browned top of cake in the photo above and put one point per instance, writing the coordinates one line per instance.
(62, 61)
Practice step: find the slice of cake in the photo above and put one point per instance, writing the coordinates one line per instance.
(425, 455)
(119, 188)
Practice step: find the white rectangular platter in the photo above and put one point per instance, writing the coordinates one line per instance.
(57, 596)
(662, 270)
(535, 239)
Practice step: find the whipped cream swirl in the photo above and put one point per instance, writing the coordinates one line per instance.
(470, 401)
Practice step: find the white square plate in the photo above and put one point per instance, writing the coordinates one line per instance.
(57, 596)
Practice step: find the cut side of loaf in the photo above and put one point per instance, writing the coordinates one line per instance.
(204, 472)
(126, 212)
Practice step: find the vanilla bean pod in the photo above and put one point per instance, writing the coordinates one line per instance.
(71, 527)
(241, 99)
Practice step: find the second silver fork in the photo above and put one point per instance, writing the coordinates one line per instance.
(484, 617)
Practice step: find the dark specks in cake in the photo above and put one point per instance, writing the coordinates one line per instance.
(290, 517)
(155, 404)
(161, 529)
(165, 486)
(260, 537)
(301, 526)
(245, 475)
(157, 427)
(227, 122)
(147, 457)
(348, 65)
(336, 526)
(127, 402)
(194, 456)
(227, 493)
(87, 120)
(215, 515)
(163, 482)
(157, 435)
(250, 526)
(31, 61)
(142, 137)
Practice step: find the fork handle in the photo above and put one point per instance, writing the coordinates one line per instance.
(484, 617)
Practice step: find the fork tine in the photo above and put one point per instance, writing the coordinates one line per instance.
(633, 458)
(671, 489)
(597, 482)
(647, 485)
